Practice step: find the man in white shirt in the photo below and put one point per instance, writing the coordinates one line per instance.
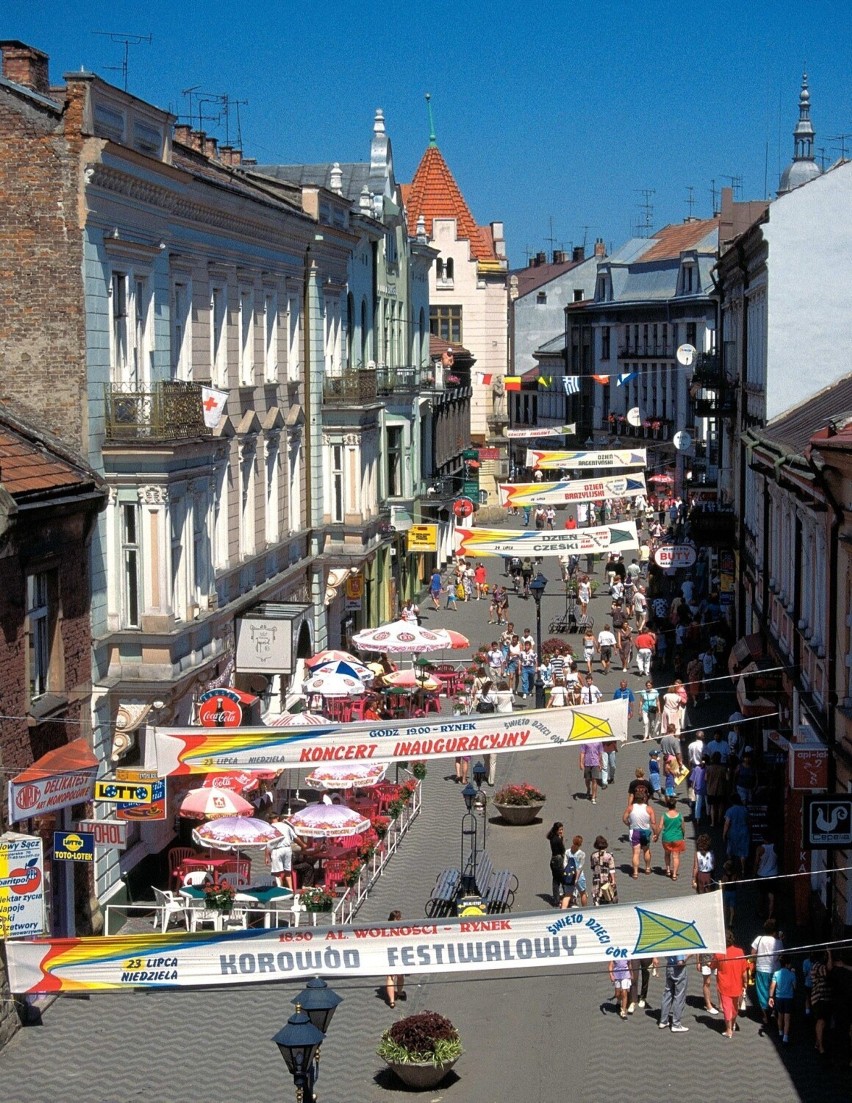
(640, 607)
(590, 694)
(606, 642)
(695, 751)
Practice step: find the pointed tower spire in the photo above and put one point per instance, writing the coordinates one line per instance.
(803, 167)
(433, 141)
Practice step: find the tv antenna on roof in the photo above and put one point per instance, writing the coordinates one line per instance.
(645, 225)
(224, 103)
(127, 40)
(736, 183)
(840, 139)
(690, 202)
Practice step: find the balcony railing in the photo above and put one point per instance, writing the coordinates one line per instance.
(646, 351)
(654, 429)
(707, 371)
(389, 380)
(160, 411)
(353, 387)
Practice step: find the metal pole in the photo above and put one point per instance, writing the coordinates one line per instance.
(539, 684)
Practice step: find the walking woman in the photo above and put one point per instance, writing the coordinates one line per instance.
(672, 833)
(640, 819)
(703, 865)
(394, 982)
(556, 838)
(602, 864)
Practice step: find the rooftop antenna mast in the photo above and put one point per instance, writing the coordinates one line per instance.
(645, 225)
(841, 140)
(551, 240)
(736, 183)
(714, 197)
(690, 202)
(127, 40)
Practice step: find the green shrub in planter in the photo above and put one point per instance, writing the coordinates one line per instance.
(425, 1038)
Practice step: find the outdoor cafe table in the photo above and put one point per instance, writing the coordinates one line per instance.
(257, 898)
(209, 865)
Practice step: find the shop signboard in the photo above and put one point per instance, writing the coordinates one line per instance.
(21, 885)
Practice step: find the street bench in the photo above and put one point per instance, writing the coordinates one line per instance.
(500, 893)
(442, 902)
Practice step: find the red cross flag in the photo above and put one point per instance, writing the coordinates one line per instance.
(212, 403)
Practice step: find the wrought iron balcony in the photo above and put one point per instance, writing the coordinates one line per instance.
(646, 350)
(161, 411)
(707, 370)
(653, 429)
(389, 380)
(357, 388)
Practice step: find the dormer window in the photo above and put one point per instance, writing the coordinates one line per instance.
(689, 279)
(600, 292)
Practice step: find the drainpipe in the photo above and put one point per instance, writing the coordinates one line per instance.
(737, 440)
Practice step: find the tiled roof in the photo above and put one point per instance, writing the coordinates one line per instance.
(437, 346)
(353, 176)
(434, 193)
(29, 465)
(794, 428)
(670, 242)
(530, 279)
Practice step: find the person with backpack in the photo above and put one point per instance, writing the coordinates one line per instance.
(574, 883)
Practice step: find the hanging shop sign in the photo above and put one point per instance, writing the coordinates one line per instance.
(490, 944)
(21, 885)
(108, 834)
(478, 542)
(827, 821)
(633, 457)
(463, 507)
(154, 809)
(73, 846)
(58, 779)
(585, 490)
(675, 555)
(423, 538)
(113, 791)
(195, 750)
(808, 765)
(354, 593)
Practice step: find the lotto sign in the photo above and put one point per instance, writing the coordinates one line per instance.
(423, 538)
(108, 789)
(675, 555)
(21, 885)
(155, 809)
(109, 834)
(73, 846)
(827, 821)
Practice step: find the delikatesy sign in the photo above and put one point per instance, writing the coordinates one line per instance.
(199, 750)
(682, 925)
(21, 885)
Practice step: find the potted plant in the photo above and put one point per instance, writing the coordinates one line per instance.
(219, 898)
(419, 770)
(380, 825)
(353, 872)
(317, 899)
(421, 1049)
(519, 804)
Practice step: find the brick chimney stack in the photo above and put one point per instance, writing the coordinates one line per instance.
(25, 65)
(209, 147)
(600, 248)
(182, 134)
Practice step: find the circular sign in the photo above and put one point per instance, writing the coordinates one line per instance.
(675, 555)
(463, 507)
(634, 416)
(686, 355)
(682, 440)
(27, 797)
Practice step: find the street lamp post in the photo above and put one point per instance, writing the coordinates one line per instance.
(537, 589)
(299, 1040)
(473, 829)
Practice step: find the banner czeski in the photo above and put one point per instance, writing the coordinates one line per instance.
(597, 541)
(682, 925)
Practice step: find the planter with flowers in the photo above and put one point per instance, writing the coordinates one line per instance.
(421, 1049)
(219, 898)
(519, 804)
(319, 902)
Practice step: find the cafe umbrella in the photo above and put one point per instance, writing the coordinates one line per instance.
(400, 638)
(235, 833)
(323, 821)
(341, 775)
(208, 804)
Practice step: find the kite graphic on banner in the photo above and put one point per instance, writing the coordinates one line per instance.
(684, 924)
(199, 750)
(635, 457)
(477, 542)
(589, 490)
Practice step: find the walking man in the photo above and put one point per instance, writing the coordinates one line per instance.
(674, 994)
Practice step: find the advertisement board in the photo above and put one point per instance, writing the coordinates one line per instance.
(423, 538)
(534, 542)
(632, 457)
(574, 490)
(21, 885)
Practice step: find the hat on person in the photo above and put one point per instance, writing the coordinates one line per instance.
(653, 754)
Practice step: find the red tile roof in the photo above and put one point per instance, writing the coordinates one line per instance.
(434, 193)
(672, 240)
(29, 465)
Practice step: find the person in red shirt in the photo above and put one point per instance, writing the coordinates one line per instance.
(645, 643)
(731, 978)
(571, 523)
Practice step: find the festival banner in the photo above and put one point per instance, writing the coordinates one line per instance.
(521, 542)
(587, 490)
(198, 750)
(532, 432)
(548, 461)
(681, 925)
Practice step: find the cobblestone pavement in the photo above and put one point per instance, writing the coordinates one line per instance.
(527, 1035)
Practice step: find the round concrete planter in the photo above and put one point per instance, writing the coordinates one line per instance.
(421, 1076)
(519, 815)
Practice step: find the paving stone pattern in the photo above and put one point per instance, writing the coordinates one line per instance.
(536, 1034)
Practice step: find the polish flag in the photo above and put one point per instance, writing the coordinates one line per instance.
(212, 404)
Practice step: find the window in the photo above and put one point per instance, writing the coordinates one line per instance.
(271, 512)
(578, 294)
(446, 322)
(333, 364)
(200, 548)
(39, 633)
(605, 343)
(294, 338)
(270, 335)
(665, 349)
(246, 338)
(247, 492)
(600, 292)
(130, 565)
(394, 462)
(390, 247)
(129, 307)
(691, 333)
(337, 507)
(182, 330)
(218, 344)
(541, 298)
(224, 484)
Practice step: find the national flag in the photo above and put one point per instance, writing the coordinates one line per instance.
(212, 405)
(545, 380)
(601, 378)
(571, 384)
(513, 382)
(625, 377)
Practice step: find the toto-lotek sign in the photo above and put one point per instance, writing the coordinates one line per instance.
(675, 555)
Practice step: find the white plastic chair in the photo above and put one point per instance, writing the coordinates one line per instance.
(196, 878)
(169, 905)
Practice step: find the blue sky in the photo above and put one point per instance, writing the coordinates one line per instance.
(566, 113)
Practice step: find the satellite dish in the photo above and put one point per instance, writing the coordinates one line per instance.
(686, 355)
(682, 440)
(634, 416)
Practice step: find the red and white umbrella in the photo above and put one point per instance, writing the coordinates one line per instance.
(300, 720)
(323, 821)
(334, 685)
(411, 679)
(663, 477)
(208, 804)
(400, 638)
(330, 655)
(350, 668)
(235, 833)
(238, 781)
(339, 775)
(458, 642)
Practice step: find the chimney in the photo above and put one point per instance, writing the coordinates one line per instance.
(196, 140)
(25, 65)
(600, 248)
(236, 157)
(578, 253)
(560, 256)
(540, 258)
(182, 134)
(209, 148)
